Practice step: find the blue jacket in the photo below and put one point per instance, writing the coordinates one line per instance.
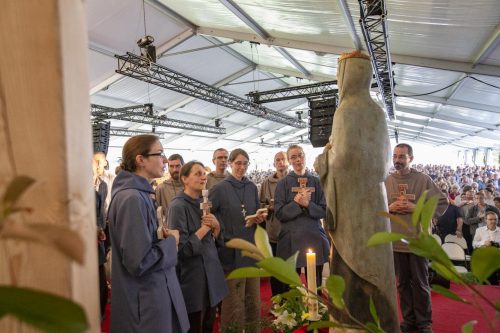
(146, 296)
(300, 227)
(229, 198)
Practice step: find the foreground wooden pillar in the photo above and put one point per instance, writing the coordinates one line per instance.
(45, 133)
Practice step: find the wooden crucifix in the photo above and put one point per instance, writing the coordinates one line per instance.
(303, 186)
(205, 205)
(402, 195)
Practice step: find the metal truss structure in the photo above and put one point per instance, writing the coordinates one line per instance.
(374, 26)
(143, 114)
(114, 131)
(140, 68)
(322, 89)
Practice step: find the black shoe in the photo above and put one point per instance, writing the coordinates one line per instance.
(426, 329)
(407, 328)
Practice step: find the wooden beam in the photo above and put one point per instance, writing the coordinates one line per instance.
(46, 134)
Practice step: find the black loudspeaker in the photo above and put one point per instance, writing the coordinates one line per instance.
(321, 114)
(100, 136)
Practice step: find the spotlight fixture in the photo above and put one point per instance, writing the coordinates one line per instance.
(217, 122)
(148, 50)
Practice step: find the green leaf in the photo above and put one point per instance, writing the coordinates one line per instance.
(262, 242)
(428, 213)
(335, 285)
(281, 270)
(415, 216)
(394, 218)
(484, 262)
(322, 324)
(247, 272)
(47, 312)
(16, 188)
(426, 246)
(293, 259)
(373, 312)
(497, 306)
(374, 328)
(384, 237)
(448, 293)
(241, 244)
(59, 237)
(445, 271)
(467, 327)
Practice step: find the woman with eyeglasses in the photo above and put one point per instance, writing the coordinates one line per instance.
(233, 199)
(299, 205)
(199, 269)
(146, 294)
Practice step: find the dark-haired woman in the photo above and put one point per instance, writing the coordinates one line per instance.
(232, 199)
(199, 269)
(146, 296)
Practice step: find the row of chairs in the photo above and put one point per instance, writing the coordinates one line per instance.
(456, 249)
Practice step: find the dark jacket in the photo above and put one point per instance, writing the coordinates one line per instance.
(146, 295)
(199, 269)
(227, 198)
(473, 221)
(301, 228)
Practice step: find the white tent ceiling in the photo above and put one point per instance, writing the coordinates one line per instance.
(433, 45)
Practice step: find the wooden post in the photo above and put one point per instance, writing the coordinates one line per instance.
(45, 133)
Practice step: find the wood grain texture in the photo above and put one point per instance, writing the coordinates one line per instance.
(45, 129)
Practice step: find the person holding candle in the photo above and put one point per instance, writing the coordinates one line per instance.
(199, 269)
(299, 205)
(233, 199)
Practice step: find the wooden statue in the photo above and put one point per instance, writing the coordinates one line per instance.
(352, 170)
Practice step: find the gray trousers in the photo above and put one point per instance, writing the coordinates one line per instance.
(414, 291)
(241, 308)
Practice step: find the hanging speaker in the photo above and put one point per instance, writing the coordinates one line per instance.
(100, 136)
(321, 114)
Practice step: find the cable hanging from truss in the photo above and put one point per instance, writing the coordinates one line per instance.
(142, 114)
(375, 32)
(145, 70)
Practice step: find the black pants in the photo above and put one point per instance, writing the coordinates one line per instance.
(414, 291)
(202, 321)
(103, 290)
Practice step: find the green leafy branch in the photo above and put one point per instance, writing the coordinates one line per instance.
(45, 311)
(284, 270)
(484, 261)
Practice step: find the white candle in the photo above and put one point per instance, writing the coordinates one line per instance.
(312, 303)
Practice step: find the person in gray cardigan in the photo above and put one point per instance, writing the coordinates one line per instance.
(146, 296)
(199, 269)
(476, 215)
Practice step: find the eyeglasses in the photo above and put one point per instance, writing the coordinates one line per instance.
(161, 154)
(241, 163)
(296, 157)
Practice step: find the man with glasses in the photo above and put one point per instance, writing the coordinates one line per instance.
(219, 159)
(166, 191)
(489, 235)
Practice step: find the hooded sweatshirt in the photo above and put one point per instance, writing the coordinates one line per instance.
(229, 198)
(146, 293)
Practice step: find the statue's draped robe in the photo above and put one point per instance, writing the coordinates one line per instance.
(352, 171)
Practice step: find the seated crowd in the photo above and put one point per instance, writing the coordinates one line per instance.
(168, 272)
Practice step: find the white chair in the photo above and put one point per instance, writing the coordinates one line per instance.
(455, 253)
(437, 238)
(462, 243)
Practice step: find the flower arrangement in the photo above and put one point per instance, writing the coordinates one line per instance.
(290, 311)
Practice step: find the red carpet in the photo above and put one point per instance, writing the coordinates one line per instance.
(448, 316)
